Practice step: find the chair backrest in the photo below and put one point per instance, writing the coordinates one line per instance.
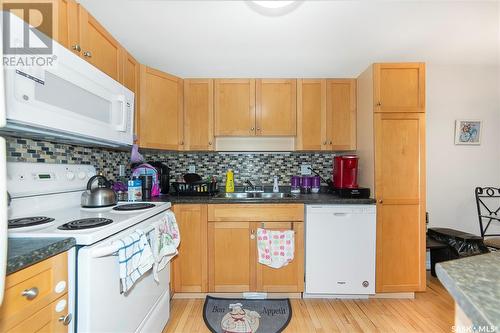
(488, 208)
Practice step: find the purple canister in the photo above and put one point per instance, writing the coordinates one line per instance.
(306, 184)
(295, 184)
(316, 184)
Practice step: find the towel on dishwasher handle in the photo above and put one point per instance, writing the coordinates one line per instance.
(275, 248)
(135, 258)
(165, 239)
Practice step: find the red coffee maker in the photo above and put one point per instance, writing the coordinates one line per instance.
(345, 172)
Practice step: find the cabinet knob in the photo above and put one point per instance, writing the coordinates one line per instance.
(209, 143)
(379, 103)
(65, 320)
(258, 128)
(331, 142)
(381, 201)
(76, 47)
(87, 54)
(30, 294)
(252, 129)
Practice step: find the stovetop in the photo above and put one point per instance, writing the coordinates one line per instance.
(120, 220)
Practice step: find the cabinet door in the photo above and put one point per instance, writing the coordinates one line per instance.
(131, 74)
(234, 107)
(399, 87)
(400, 195)
(98, 47)
(231, 257)
(198, 114)
(190, 270)
(289, 278)
(47, 320)
(69, 25)
(341, 114)
(160, 115)
(311, 115)
(276, 107)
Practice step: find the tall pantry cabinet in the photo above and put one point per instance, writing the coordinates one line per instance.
(391, 146)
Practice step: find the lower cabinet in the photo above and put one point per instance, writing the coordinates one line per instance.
(189, 267)
(218, 249)
(32, 302)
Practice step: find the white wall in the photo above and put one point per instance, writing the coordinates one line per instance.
(453, 171)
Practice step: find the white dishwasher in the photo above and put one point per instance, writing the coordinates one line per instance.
(340, 250)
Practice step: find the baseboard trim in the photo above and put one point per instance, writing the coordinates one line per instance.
(409, 295)
(233, 295)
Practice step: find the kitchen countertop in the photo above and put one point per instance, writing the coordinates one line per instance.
(310, 199)
(474, 283)
(24, 252)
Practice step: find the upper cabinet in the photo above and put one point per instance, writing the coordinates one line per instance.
(234, 107)
(160, 120)
(341, 114)
(276, 102)
(68, 30)
(131, 73)
(311, 115)
(326, 113)
(199, 114)
(98, 47)
(399, 87)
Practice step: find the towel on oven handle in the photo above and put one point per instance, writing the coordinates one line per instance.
(165, 239)
(135, 258)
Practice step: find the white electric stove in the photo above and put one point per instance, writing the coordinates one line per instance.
(46, 203)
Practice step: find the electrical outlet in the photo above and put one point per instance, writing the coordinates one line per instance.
(305, 169)
(192, 169)
(121, 170)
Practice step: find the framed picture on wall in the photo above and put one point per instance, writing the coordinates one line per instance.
(467, 132)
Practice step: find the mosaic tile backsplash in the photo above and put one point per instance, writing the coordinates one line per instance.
(257, 167)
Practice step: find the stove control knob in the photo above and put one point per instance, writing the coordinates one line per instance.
(82, 175)
(70, 175)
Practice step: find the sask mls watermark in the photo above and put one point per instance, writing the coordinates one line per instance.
(27, 30)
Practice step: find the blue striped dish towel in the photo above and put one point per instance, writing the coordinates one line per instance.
(135, 258)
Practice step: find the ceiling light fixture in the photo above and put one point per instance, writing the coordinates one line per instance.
(273, 7)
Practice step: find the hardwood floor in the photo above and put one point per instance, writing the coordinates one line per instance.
(430, 311)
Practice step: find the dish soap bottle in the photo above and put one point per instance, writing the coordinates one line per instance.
(229, 181)
(276, 188)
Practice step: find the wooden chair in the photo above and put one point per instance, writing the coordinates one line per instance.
(488, 211)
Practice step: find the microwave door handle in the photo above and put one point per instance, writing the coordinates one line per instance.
(122, 127)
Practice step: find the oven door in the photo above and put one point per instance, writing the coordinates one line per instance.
(100, 305)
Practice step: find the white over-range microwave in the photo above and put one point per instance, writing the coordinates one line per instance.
(70, 100)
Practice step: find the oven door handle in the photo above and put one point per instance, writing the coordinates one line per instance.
(112, 248)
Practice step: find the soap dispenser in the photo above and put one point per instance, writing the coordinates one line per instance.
(229, 181)
(276, 188)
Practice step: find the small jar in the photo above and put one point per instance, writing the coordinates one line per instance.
(306, 184)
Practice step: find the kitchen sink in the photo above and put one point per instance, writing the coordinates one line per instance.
(252, 195)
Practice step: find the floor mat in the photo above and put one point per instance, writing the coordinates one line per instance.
(237, 315)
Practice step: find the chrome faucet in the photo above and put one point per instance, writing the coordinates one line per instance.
(251, 188)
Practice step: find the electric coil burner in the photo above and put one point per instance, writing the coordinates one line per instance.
(87, 223)
(134, 206)
(29, 221)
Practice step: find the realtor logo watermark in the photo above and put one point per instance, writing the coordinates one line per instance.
(474, 329)
(27, 34)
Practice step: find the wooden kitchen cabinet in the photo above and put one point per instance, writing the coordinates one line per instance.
(232, 248)
(68, 25)
(231, 257)
(341, 114)
(400, 191)
(131, 78)
(289, 278)
(311, 115)
(276, 112)
(190, 266)
(399, 87)
(98, 46)
(234, 105)
(20, 314)
(391, 147)
(199, 114)
(160, 120)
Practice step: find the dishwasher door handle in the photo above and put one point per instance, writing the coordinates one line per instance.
(340, 214)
